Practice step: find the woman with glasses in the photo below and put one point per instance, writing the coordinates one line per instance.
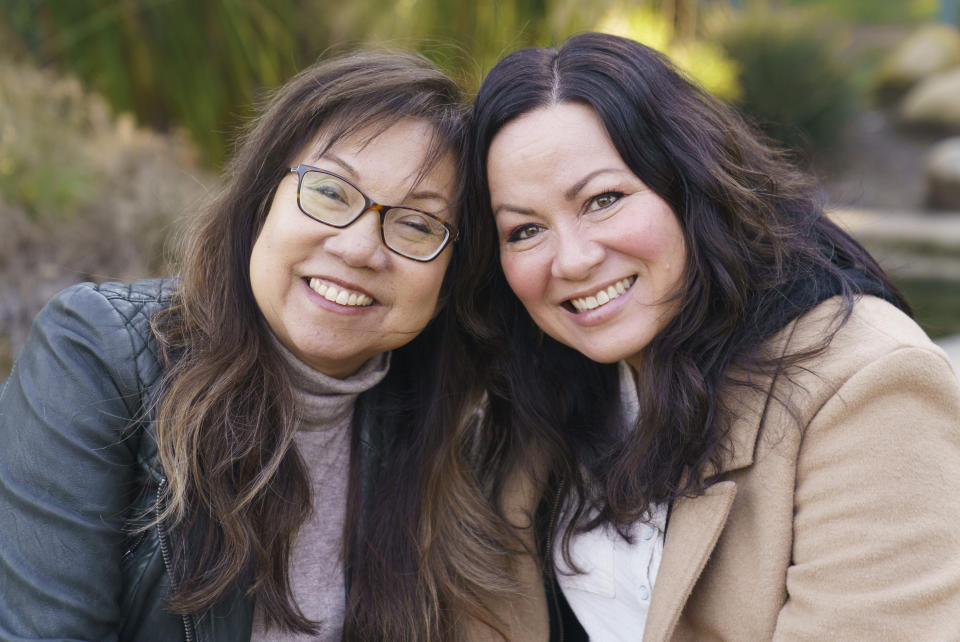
(744, 435)
(272, 444)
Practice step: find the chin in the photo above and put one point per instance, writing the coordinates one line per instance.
(606, 357)
(598, 354)
(612, 352)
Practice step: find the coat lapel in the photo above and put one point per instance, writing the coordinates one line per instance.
(694, 527)
(695, 523)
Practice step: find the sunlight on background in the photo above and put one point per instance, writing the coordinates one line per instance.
(116, 115)
(705, 61)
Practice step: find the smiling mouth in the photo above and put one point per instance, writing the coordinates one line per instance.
(602, 297)
(339, 296)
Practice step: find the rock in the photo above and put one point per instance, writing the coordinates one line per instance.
(934, 103)
(927, 50)
(943, 175)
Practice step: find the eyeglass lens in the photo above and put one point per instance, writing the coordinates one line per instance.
(333, 201)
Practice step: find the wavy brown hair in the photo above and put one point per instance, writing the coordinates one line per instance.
(760, 252)
(226, 416)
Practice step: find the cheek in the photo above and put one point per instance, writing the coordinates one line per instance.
(270, 237)
(267, 251)
(658, 240)
(423, 302)
(260, 259)
(655, 252)
(523, 276)
(671, 252)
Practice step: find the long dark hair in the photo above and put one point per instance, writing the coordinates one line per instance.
(226, 417)
(760, 252)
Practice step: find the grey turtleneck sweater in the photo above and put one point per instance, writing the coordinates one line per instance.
(323, 440)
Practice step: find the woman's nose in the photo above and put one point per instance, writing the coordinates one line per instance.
(359, 244)
(576, 255)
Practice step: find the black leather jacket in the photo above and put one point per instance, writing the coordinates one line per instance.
(78, 460)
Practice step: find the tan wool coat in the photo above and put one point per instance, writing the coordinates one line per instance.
(837, 517)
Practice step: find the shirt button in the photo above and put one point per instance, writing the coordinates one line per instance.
(647, 534)
(644, 593)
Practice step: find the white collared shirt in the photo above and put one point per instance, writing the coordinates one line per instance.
(611, 597)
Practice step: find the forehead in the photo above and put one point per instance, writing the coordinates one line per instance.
(404, 151)
(551, 145)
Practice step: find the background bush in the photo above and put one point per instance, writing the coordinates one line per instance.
(203, 64)
(793, 81)
(83, 195)
(86, 194)
(874, 11)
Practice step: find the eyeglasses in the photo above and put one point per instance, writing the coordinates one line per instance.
(335, 201)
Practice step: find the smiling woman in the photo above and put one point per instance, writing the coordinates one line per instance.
(271, 445)
(717, 393)
(304, 273)
(595, 256)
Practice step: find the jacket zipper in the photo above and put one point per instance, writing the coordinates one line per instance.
(165, 553)
(133, 547)
(548, 554)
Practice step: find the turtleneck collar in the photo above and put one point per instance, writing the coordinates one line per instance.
(324, 401)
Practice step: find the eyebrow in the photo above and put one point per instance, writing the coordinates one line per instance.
(512, 208)
(342, 163)
(427, 196)
(569, 195)
(579, 185)
(354, 176)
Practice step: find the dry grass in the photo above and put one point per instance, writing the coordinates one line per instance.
(84, 195)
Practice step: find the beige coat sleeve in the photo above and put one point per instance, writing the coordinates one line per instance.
(876, 550)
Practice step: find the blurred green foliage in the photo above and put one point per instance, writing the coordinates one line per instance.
(875, 11)
(205, 65)
(202, 65)
(46, 165)
(168, 61)
(703, 60)
(85, 195)
(794, 82)
(936, 303)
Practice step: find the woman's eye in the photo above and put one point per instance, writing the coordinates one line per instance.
(330, 192)
(416, 222)
(523, 233)
(603, 201)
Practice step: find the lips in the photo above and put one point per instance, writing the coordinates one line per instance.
(340, 295)
(602, 297)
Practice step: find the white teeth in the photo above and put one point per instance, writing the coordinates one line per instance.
(603, 297)
(341, 297)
